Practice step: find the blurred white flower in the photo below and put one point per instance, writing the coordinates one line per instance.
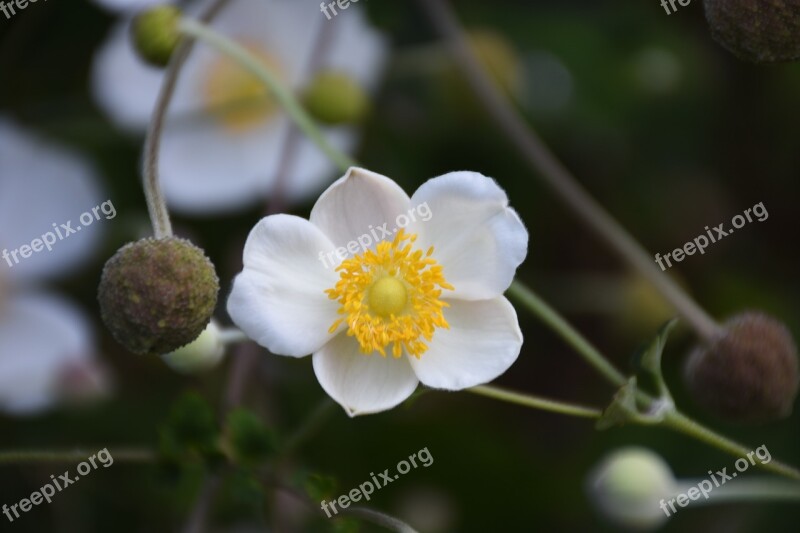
(42, 184)
(225, 133)
(46, 344)
(424, 304)
(126, 6)
(628, 486)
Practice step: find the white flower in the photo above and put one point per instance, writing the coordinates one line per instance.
(225, 134)
(425, 304)
(203, 354)
(127, 6)
(42, 184)
(46, 345)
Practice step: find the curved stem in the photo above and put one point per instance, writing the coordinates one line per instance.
(233, 336)
(750, 489)
(681, 423)
(128, 455)
(566, 331)
(535, 402)
(286, 99)
(545, 164)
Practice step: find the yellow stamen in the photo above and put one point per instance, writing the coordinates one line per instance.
(391, 295)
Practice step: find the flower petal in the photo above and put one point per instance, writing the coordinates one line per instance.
(43, 185)
(360, 383)
(483, 341)
(41, 336)
(279, 299)
(478, 239)
(357, 203)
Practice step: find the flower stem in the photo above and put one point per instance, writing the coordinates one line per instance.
(129, 455)
(751, 489)
(566, 331)
(554, 174)
(284, 96)
(681, 423)
(535, 402)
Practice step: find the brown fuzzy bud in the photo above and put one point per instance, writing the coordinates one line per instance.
(761, 31)
(158, 295)
(749, 373)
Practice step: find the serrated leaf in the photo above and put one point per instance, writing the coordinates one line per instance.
(623, 408)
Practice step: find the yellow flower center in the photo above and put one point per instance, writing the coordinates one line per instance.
(391, 295)
(238, 99)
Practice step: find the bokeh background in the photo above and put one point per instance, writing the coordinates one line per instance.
(665, 128)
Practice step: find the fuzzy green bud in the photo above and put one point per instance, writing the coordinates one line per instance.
(761, 31)
(157, 295)
(156, 34)
(335, 98)
(628, 486)
(749, 373)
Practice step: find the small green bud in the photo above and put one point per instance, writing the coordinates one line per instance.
(334, 98)
(157, 295)
(156, 34)
(204, 353)
(749, 373)
(755, 30)
(628, 486)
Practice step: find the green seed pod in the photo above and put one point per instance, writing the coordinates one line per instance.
(760, 31)
(749, 373)
(335, 98)
(155, 34)
(157, 295)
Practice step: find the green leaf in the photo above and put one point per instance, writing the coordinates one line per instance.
(252, 442)
(650, 359)
(623, 408)
(190, 430)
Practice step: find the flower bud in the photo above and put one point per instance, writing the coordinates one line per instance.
(155, 34)
(749, 373)
(157, 295)
(757, 31)
(203, 353)
(335, 98)
(627, 488)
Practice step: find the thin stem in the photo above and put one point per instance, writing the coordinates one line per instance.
(382, 519)
(683, 424)
(535, 402)
(287, 100)
(156, 205)
(750, 489)
(126, 455)
(566, 331)
(545, 164)
(313, 421)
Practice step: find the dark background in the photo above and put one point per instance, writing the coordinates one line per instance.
(667, 158)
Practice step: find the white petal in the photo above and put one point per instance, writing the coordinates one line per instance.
(42, 184)
(360, 383)
(123, 85)
(478, 239)
(357, 203)
(206, 169)
(40, 337)
(279, 299)
(126, 6)
(483, 341)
